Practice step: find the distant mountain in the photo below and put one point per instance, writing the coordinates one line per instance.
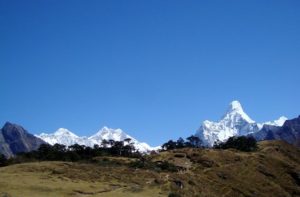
(119, 135)
(66, 137)
(289, 132)
(15, 139)
(235, 122)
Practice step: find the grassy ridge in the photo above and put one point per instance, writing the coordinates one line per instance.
(273, 170)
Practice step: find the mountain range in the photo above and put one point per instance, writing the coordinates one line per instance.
(235, 122)
(66, 137)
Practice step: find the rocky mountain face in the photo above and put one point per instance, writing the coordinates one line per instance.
(235, 122)
(289, 132)
(66, 137)
(15, 139)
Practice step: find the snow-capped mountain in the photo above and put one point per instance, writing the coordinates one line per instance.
(118, 135)
(66, 137)
(235, 122)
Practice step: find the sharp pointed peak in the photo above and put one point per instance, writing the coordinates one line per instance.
(235, 105)
(9, 125)
(235, 108)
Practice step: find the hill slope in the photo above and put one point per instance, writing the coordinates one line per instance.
(274, 170)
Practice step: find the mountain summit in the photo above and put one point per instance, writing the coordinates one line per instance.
(235, 112)
(15, 139)
(234, 122)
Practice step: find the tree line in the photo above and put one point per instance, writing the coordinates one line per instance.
(190, 142)
(76, 152)
(242, 143)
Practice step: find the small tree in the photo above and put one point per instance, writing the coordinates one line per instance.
(180, 143)
(45, 152)
(58, 151)
(117, 148)
(59, 148)
(111, 142)
(104, 143)
(194, 141)
(169, 145)
(128, 149)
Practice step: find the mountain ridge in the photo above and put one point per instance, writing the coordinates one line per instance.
(289, 132)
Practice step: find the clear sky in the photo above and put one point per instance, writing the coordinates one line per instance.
(156, 69)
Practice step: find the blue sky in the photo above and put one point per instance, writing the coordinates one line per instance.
(156, 69)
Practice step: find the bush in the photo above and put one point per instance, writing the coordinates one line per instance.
(137, 164)
(166, 166)
(242, 143)
(174, 195)
(157, 166)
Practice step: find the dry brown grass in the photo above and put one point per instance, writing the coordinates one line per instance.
(274, 170)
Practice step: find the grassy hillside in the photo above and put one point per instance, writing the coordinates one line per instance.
(273, 170)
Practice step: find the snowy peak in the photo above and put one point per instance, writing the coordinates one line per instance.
(278, 122)
(235, 112)
(235, 106)
(63, 131)
(109, 134)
